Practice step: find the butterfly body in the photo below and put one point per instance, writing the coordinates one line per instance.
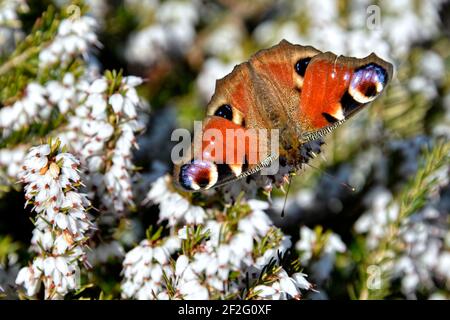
(297, 90)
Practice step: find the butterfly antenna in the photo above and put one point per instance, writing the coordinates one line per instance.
(286, 195)
(344, 184)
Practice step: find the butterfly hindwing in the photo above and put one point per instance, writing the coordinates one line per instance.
(298, 90)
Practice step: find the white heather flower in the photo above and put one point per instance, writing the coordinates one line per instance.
(106, 144)
(226, 40)
(182, 233)
(265, 291)
(31, 108)
(105, 251)
(61, 226)
(284, 286)
(257, 222)
(433, 65)
(11, 161)
(10, 24)
(419, 260)
(212, 69)
(283, 245)
(379, 214)
(30, 278)
(443, 265)
(323, 262)
(62, 94)
(306, 243)
(39, 102)
(205, 272)
(287, 285)
(300, 281)
(253, 183)
(98, 86)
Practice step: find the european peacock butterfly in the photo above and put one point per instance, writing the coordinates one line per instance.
(299, 91)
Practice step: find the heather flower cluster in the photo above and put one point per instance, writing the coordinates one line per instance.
(318, 251)
(74, 37)
(419, 256)
(11, 163)
(173, 30)
(62, 224)
(39, 101)
(364, 216)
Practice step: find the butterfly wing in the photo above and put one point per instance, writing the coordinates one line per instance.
(335, 88)
(298, 90)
